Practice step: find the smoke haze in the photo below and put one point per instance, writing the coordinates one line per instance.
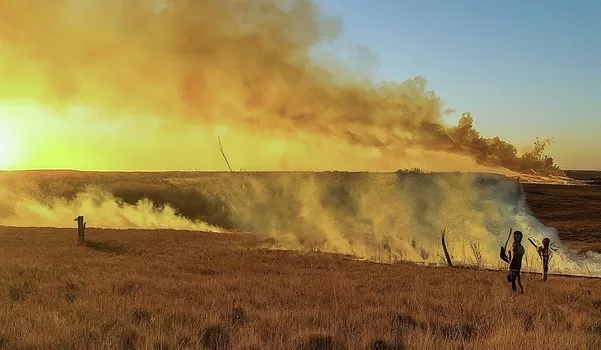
(165, 78)
(104, 210)
(236, 67)
(385, 216)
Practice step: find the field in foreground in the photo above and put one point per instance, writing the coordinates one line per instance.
(189, 290)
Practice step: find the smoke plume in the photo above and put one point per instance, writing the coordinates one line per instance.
(376, 216)
(241, 65)
(101, 209)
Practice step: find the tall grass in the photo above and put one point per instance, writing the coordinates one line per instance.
(191, 290)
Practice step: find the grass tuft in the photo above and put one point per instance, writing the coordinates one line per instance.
(105, 247)
(20, 291)
(215, 338)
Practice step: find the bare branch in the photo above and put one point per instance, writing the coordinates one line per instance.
(446, 252)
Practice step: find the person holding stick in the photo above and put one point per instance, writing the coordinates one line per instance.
(544, 251)
(514, 258)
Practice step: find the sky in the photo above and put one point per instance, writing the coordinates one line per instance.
(524, 69)
(165, 82)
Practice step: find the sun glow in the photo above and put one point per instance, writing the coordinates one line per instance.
(9, 146)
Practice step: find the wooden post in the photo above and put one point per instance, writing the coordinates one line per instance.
(81, 230)
(223, 154)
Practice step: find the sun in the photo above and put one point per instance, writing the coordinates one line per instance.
(9, 146)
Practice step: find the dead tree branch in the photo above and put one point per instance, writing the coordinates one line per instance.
(446, 252)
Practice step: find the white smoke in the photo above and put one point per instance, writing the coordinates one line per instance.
(376, 216)
(99, 208)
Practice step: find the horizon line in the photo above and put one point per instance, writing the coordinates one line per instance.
(247, 171)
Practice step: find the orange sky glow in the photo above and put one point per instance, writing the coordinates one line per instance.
(130, 86)
(79, 139)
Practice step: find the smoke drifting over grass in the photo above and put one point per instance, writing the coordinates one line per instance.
(244, 65)
(368, 215)
(101, 210)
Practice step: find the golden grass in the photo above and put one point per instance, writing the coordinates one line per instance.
(189, 290)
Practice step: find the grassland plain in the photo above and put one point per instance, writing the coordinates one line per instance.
(143, 289)
(165, 289)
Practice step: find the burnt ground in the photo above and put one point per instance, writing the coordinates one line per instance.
(574, 210)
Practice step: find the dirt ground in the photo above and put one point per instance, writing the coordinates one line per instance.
(574, 210)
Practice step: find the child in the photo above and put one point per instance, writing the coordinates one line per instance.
(516, 253)
(544, 253)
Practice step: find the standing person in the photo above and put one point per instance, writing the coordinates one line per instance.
(544, 253)
(516, 253)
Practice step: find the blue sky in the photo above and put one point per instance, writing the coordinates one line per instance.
(523, 68)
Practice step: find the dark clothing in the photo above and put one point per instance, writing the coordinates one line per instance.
(544, 254)
(516, 253)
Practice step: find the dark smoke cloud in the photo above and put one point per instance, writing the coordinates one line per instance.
(244, 62)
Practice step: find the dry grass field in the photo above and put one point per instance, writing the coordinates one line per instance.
(141, 289)
(136, 289)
